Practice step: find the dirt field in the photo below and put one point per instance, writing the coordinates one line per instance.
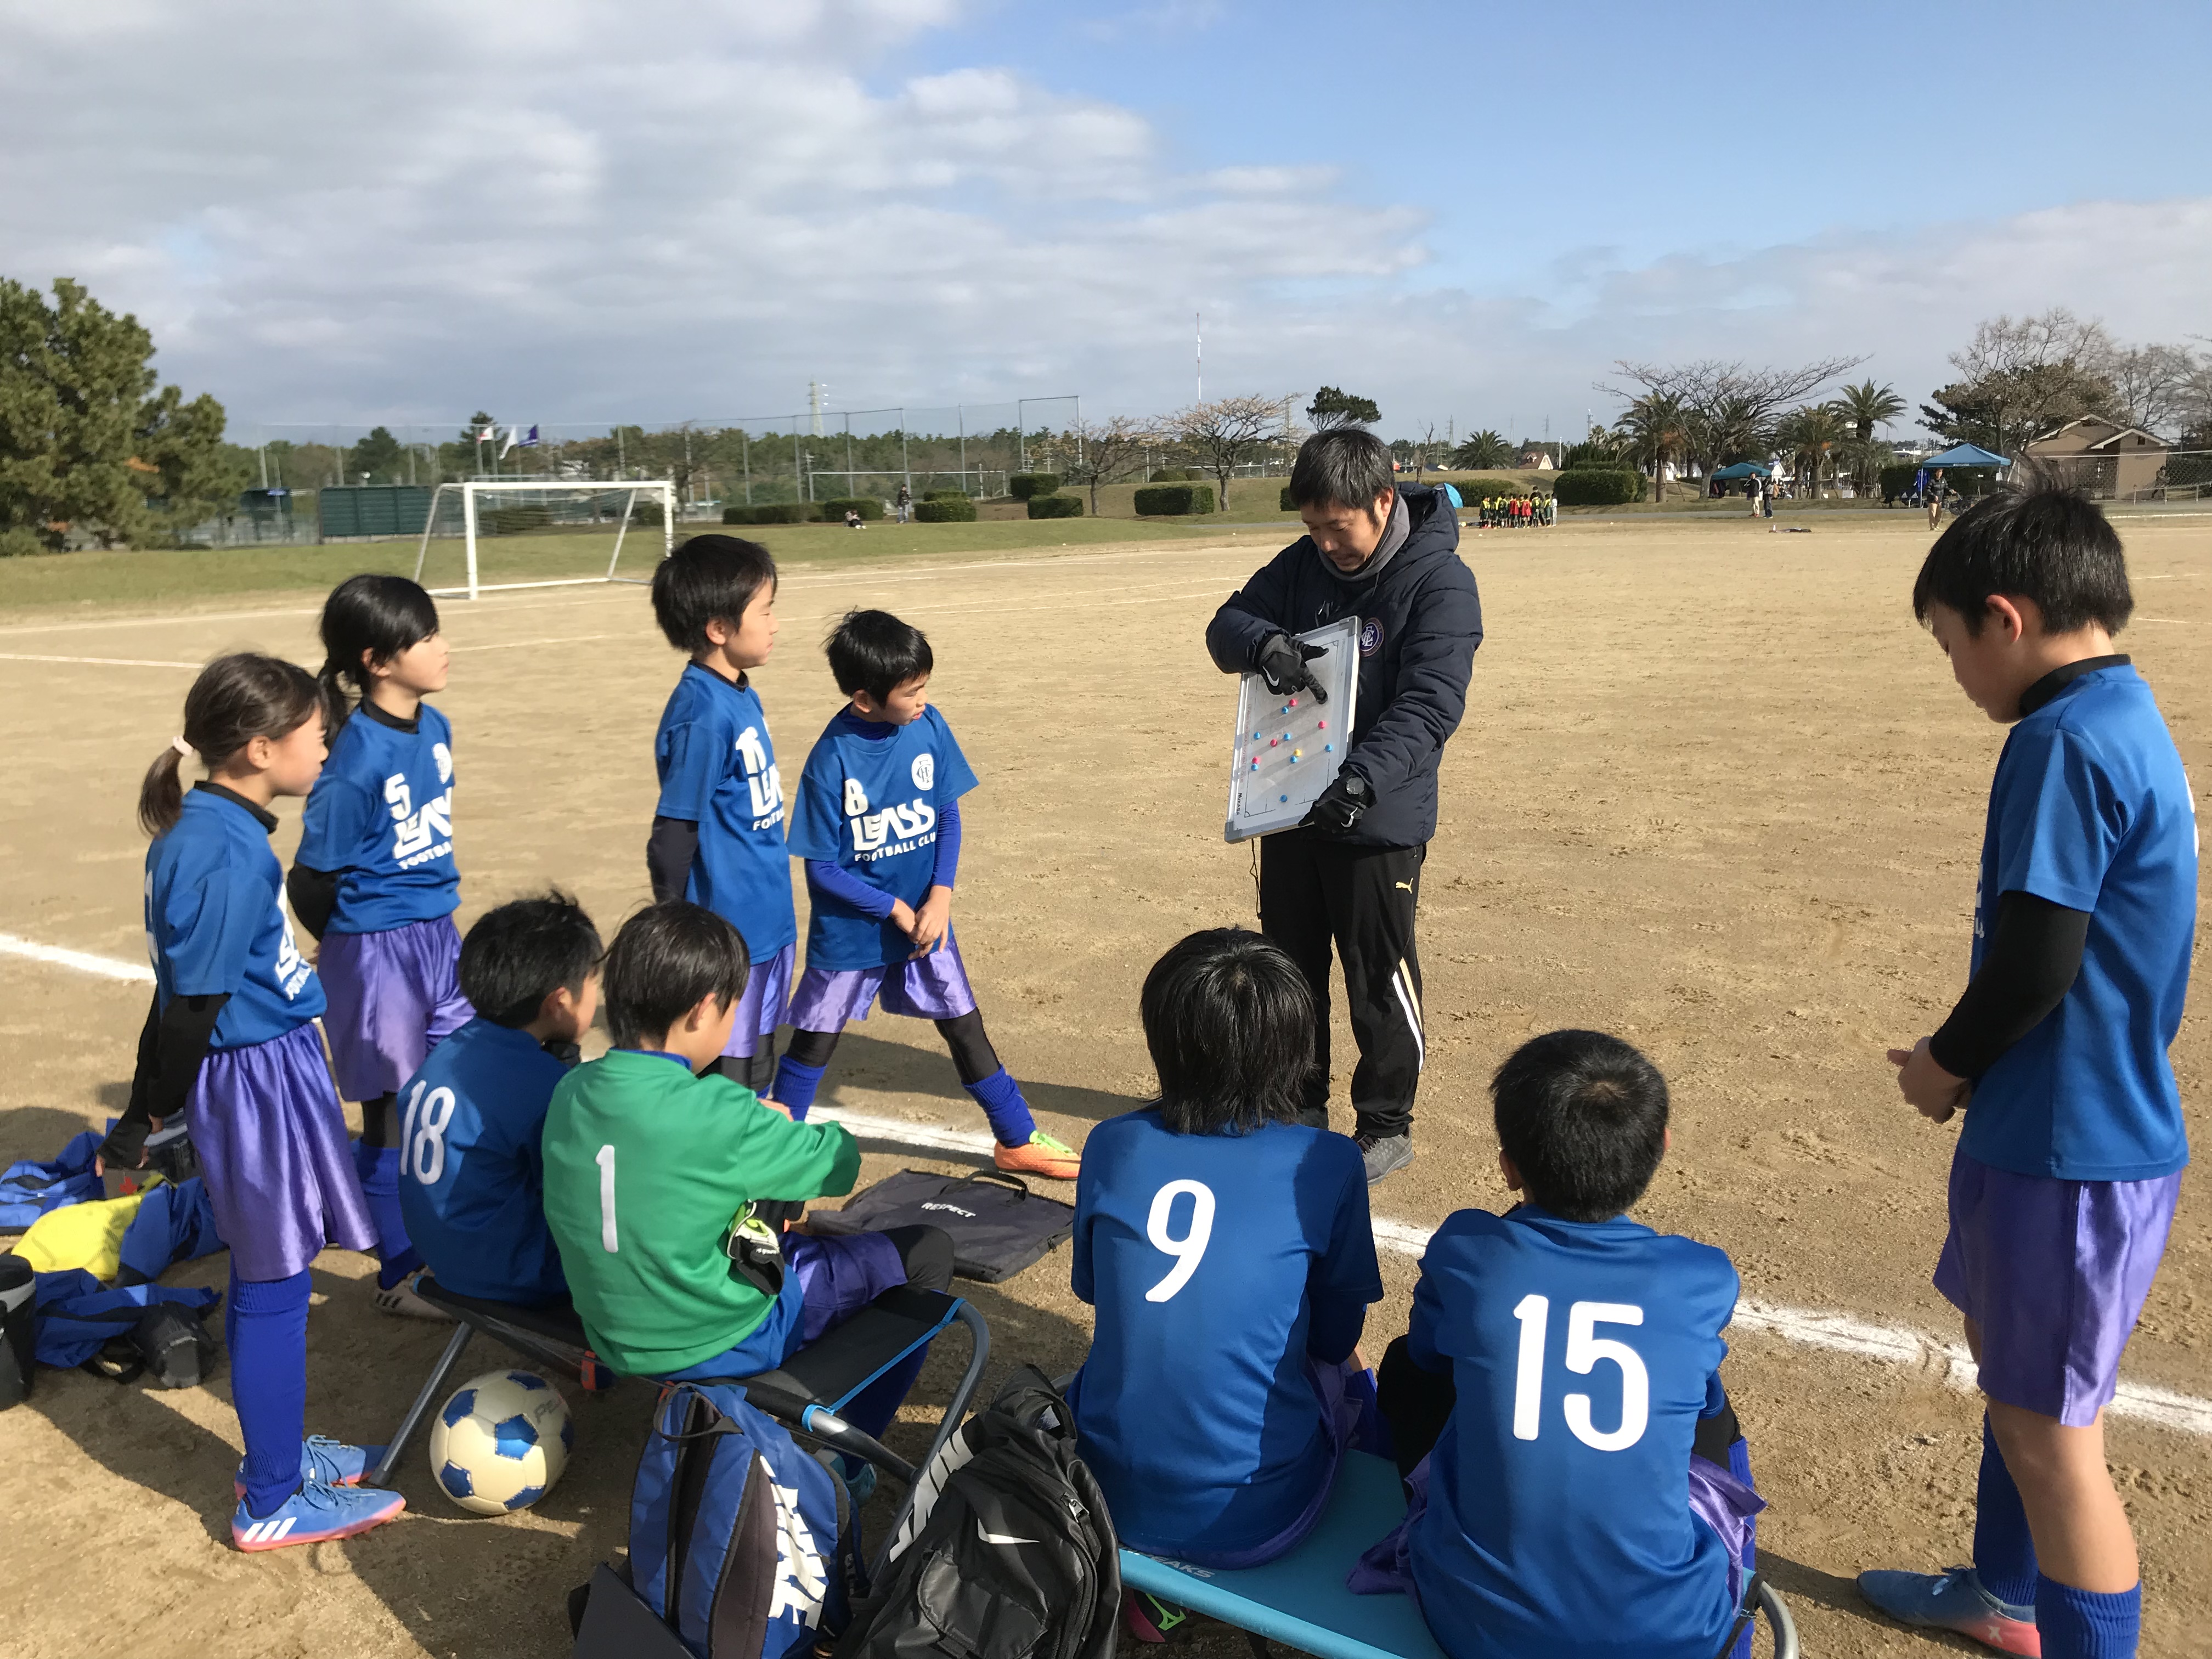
(1714, 790)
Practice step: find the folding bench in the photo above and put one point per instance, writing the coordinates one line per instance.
(1300, 1601)
(804, 1393)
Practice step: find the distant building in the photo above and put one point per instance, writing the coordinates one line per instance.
(2104, 457)
(1543, 458)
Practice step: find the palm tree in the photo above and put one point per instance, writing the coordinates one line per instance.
(1867, 406)
(1485, 448)
(1808, 435)
(1654, 431)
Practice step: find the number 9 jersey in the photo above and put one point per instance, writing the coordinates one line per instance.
(1211, 1259)
(1559, 1495)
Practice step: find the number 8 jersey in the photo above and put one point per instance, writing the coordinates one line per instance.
(1558, 1492)
(1210, 1259)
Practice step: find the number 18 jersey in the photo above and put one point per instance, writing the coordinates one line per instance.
(1559, 1516)
(1205, 1256)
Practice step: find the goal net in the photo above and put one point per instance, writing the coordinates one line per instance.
(484, 536)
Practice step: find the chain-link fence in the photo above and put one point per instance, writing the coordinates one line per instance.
(2143, 475)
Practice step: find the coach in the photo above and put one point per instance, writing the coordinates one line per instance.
(1350, 874)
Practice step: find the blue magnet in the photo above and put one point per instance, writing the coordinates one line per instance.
(1284, 797)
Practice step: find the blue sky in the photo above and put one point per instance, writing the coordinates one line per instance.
(659, 210)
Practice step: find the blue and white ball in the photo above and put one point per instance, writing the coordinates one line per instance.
(501, 1442)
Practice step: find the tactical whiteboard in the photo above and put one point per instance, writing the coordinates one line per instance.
(1290, 747)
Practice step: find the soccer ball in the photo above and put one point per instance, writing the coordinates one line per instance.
(501, 1442)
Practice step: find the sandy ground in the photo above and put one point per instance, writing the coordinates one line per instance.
(1714, 790)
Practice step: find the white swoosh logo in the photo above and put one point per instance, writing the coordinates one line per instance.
(999, 1537)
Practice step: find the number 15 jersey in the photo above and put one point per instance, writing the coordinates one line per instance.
(1207, 1257)
(1558, 1517)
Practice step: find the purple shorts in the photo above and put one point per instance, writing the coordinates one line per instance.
(761, 1010)
(393, 997)
(829, 1281)
(2054, 1273)
(934, 987)
(271, 1139)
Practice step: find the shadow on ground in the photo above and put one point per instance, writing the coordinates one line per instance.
(868, 1062)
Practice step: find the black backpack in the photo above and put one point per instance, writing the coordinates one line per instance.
(1008, 1553)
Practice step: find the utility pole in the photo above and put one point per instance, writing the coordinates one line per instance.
(816, 391)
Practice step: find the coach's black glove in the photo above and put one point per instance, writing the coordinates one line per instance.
(1342, 803)
(1282, 660)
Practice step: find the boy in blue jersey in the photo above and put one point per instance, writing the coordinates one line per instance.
(2063, 1184)
(472, 1168)
(1227, 1248)
(879, 824)
(718, 837)
(1579, 1487)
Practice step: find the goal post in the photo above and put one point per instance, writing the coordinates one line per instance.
(518, 504)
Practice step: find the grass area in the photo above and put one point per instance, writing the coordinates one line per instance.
(158, 577)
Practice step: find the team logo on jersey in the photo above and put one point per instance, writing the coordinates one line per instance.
(423, 836)
(925, 771)
(444, 757)
(1370, 636)
(898, 828)
(293, 971)
(763, 779)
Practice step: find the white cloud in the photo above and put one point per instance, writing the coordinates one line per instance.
(662, 210)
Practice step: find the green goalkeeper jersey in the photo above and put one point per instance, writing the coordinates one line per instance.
(646, 1166)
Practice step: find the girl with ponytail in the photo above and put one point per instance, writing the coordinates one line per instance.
(230, 1043)
(374, 880)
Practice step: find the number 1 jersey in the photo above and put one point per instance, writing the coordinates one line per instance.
(1207, 1256)
(1582, 1352)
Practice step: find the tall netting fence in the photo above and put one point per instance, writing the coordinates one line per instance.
(303, 474)
(2145, 475)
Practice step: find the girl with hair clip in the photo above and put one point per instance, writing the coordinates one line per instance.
(230, 1043)
(375, 881)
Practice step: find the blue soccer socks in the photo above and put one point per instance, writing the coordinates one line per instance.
(2004, 1549)
(1000, 1098)
(795, 1084)
(265, 1328)
(378, 1167)
(314, 1514)
(2079, 1624)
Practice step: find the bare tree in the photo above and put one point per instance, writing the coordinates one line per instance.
(1725, 403)
(2002, 345)
(2150, 384)
(1109, 451)
(1230, 432)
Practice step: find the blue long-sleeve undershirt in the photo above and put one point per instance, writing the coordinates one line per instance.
(834, 879)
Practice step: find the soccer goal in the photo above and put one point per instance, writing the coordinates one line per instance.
(542, 532)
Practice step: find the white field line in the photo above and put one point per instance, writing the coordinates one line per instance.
(101, 662)
(1892, 1345)
(83, 961)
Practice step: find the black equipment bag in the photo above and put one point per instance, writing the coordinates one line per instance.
(1008, 1553)
(999, 1226)
(18, 1307)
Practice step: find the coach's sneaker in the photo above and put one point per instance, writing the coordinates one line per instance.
(333, 1463)
(1384, 1154)
(314, 1514)
(1039, 1155)
(1954, 1601)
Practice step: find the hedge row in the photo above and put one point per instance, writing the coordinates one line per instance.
(1056, 507)
(1175, 474)
(1024, 485)
(1897, 481)
(866, 505)
(944, 495)
(951, 507)
(1592, 486)
(1174, 500)
(774, 513)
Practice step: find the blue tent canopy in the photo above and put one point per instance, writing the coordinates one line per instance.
(1964, 455)
(1744, 469)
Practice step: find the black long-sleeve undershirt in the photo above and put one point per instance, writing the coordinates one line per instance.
(669, 851)
(2033, 954)
(171, 1045)
(314, 895)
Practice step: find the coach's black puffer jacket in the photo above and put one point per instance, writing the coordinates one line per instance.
(1421, 621)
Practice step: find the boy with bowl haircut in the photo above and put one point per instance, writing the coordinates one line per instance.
(1579, 1487)
(717, 826)
(471, 1167)
(878, 823)
(652, 1175)
(2063, 1184)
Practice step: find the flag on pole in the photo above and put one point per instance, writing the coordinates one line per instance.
(530, 439)
(513, 437)
(489, 434)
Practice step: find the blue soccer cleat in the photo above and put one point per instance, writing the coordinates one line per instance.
(315, 1515)
(333, 1463)
(1954, 1601)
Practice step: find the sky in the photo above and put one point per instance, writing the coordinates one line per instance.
(570, 211)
